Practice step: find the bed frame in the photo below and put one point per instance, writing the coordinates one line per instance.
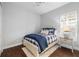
(34, 49)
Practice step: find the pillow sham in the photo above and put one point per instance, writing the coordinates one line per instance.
(48, 31)
(44, 32)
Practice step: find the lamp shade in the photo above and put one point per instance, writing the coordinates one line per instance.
(66, 29)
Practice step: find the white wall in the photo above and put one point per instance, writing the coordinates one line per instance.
(0, 29)
(17, 22)
(52, 18)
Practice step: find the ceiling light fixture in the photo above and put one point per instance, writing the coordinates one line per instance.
(39, 3)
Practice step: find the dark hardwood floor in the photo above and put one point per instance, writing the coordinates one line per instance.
(64, 52)
(13, 52)
(60, 52)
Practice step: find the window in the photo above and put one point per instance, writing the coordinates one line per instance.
(68, 22)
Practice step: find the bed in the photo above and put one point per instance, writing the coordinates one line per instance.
(38, 44)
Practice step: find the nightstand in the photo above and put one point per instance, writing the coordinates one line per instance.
(66, 41)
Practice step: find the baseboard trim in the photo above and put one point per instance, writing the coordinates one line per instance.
(12, 45)
(75, 47)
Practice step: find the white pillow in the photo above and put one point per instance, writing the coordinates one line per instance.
(45, 32)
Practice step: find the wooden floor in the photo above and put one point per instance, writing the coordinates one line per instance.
(13, 52)
(17, 52)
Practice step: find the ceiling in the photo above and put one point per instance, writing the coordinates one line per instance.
(42, 8)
